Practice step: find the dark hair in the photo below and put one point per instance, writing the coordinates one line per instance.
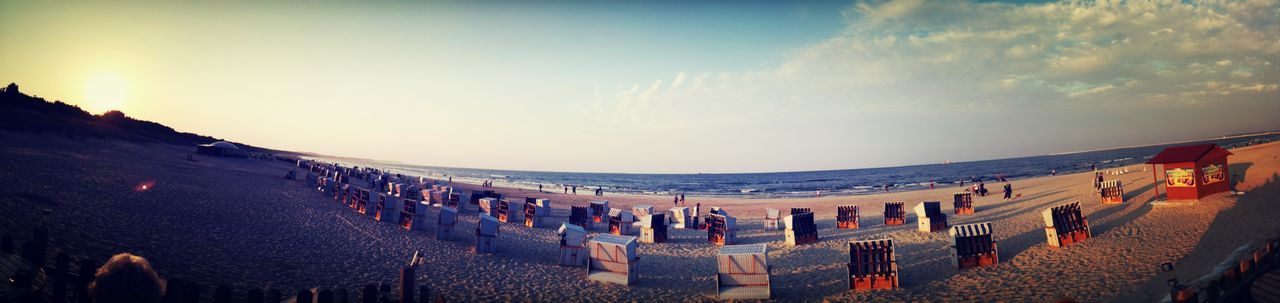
(126, 278)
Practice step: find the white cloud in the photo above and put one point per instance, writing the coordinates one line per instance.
(926, 62)
(939, 52)
(678, 81)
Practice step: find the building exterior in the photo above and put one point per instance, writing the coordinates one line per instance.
(1192, 172)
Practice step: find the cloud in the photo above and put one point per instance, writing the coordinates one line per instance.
(921, 52)
(934, 62)
(678, 81)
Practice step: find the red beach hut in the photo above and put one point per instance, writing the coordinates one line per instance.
(1192, 172)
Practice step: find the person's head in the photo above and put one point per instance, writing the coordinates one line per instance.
(126, 278)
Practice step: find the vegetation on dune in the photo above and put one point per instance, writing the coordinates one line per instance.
(25, 113)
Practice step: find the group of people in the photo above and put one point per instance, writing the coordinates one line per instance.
(980, 187)
(574, 189)
(677, 199)
(1097, 181)
(486, 183)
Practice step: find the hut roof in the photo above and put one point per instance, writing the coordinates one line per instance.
(1186, 153)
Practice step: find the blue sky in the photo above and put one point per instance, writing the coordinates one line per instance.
(663, 86)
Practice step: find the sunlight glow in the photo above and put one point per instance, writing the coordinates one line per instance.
(104, 92)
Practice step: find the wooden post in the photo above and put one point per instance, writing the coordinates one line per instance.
(222, 294)
(274, 296)
(369, 294)
(341, 295)
(173, 290)
(384, 291)
(61, 277)
(254, 296)
(424, 294)
(87, 269)
(325, 296)
(35, 250)
(191, 293)
(303, 296)
(6, 243)
(407, 283)
(1155, 180)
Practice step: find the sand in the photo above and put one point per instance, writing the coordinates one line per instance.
(238, 222)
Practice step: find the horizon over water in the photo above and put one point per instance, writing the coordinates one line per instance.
(804, 183)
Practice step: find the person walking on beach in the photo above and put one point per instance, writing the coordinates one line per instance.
(539, 187)
(1008, 191)
(1097, 182)
(1053, 172)
(566, 189)
(675, 200)
(930, 184)
(681, 198)
(575, 189)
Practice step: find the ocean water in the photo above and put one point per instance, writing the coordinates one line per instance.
(806, 183)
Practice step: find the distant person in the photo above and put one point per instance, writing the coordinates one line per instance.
(930, 184)
(681, 198)
(539, 187)
(886, 188)
(566, 189)
(1008, 191)
(126, 278)
(982, 189)
(675, 199)
(1053, 172)
(575, 189)
(696, 208)
(1097, 181)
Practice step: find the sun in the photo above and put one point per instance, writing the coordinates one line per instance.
(104, 92)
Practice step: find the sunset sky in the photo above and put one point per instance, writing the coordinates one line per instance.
(662, 86)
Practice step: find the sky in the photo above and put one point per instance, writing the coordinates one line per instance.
(662, 87)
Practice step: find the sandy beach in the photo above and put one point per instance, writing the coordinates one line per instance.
(238, 222)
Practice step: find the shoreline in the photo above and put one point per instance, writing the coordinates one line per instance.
(1016, 168)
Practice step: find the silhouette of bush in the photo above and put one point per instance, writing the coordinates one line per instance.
(25, 113)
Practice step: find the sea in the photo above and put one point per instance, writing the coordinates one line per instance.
(805, 183)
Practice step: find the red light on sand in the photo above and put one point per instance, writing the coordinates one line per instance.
(145, 186)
